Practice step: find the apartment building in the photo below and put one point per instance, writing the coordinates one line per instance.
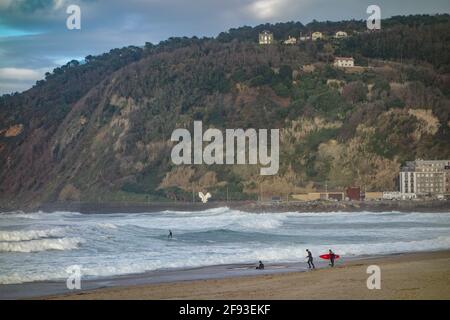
(447, 179)
(425, 177)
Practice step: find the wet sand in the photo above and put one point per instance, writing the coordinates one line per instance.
(403, 276)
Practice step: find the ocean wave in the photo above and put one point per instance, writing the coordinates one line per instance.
(439, 243)
(24, 235)
(213, 219)
(16, 212)
(117, 244)
(295, 253)
(106, 225)
(41, 245)
(207, 256)
(259, 222)
(218, 210)
(17, 278)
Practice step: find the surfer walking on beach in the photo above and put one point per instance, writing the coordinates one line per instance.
(170, 235)
(332, 257)
(310, 260)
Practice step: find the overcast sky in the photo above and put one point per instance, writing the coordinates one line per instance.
(34, 38)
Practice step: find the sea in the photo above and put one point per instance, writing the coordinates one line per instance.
(42, 246)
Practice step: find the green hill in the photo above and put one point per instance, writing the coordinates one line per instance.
(99, 130)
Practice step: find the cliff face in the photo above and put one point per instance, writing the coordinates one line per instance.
(100, 131)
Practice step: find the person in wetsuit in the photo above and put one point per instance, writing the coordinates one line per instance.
(310, 260)
(261, 266)
(170, 235)
(332, 257)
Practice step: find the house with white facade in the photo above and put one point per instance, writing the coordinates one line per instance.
(340, 35)
(316, 35)
(266, 37)
(344, 62)
(290, 40)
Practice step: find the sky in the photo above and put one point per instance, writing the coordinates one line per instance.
(34, 38)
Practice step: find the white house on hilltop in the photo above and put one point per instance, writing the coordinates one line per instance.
(340, 35)
(290, 40)
(344, 62)
(266, 37)
(316, 35)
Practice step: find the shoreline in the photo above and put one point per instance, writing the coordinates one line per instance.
(160, 276)
(166, 284)
(246, 271)
(420, 275)
(247, 206)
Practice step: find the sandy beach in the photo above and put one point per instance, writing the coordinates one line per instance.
(403, 276)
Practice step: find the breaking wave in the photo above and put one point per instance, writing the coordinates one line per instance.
(116, 244)
(40, 245)
(24, 235)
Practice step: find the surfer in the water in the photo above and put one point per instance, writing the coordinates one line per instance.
(332, 257)
(261, 266)
(170, 235)
(310, 260)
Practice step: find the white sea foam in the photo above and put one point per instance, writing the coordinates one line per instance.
(214, 256)
(40, 245)
(114, 244)
(22, 235)
(211, 219)
(107, 225)
(219, 210)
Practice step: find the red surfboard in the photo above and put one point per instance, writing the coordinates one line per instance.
(327, 256)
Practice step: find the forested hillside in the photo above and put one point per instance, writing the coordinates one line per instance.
(99, 130)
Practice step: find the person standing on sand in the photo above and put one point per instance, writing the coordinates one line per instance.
(310, 260)
(170, 235)
(332, 257)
